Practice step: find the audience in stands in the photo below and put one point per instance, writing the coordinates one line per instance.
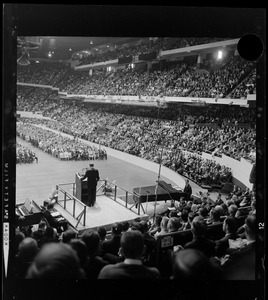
(173, 224)
(172, 79)
(24, 155)
(131, 249)
(217, 241)
(181, 132)
(156, 226)
(39, 234)
(102, 232)
(68, 235)
(230, 229)
(239, 263)
(109, 248)
(200, 241)
(163, 226)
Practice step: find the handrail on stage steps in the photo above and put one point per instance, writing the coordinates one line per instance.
(109, 187)
(68, 196)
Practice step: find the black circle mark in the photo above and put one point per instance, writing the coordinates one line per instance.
(250, 47)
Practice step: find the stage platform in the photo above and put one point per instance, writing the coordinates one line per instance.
(105, 212)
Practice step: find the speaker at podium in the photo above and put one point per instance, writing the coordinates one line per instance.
(81, 192)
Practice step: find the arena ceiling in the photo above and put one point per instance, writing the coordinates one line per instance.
(63, 47)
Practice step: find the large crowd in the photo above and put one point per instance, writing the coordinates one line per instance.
(234, 79)
(25, 155)
(129, 249)
(175, 136)
(196, 129)
(57, 145)
(179, 143)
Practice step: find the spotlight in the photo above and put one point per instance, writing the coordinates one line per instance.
(219, 54)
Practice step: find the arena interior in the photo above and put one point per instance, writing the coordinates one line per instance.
(149, 113)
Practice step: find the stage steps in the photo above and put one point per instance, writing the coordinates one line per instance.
(105, 213)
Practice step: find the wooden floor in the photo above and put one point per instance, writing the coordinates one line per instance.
(36, 181)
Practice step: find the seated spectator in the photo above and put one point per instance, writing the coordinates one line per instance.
(246, 201)
(131, 249)
(81, 251)
(125, 226)
(50, 235)
(102, 233)
(253, 208)
(68, 235)
(191, 216)
(215, 215)
(55, 261)
(19, 236)
(182, 204)
(229, 227)
(112, 246)
(232, 209)
(173, 224)
(219, 200)
(194, 208)
(203, 213)
(240, 264)
(173, 214)
(27, 251)
(156, 225)
(224, 209)
(94, 262)
(191, 264)
(206, 203)
(163, 226)
(199, 241)
(185, 223)
(39, 233)
(149, 242)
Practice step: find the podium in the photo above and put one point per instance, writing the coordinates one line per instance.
(81, 189)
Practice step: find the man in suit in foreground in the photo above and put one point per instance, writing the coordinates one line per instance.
(241, 263)
(132, 249)
(93, 177)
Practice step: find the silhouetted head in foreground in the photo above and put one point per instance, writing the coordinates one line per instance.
(191, 264)
(55, 261)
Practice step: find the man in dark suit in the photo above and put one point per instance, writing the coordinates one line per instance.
(229, 227)
(199, 241)
(93, 177)
(132, 248)
(109, 248)
(187, 189)
(241, 263)
(94, 262)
